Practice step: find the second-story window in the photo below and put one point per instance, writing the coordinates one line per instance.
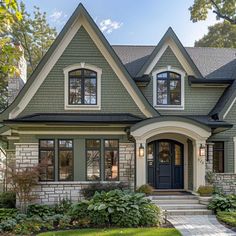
(168, 88)
(82, 87)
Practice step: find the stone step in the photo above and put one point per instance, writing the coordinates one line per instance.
(170, 197)
(189, 212)
(175, 201)
(182, 206)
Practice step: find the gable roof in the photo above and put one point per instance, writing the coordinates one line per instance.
(24, 94)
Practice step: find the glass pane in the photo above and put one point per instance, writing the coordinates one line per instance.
(111, 143)
(173, 75)
(161, 92)
(218, 145)
(89, 73)
(93, 143)
(150, 151)
(75, 73)
(65, 143)
(177, 155)
(164, 152)
(65, 165)
(162, 75)
(75, 96)
(175, 92)
(111, 165)
(93, 165)
(47, 165)
(46, 143)
(90, 91)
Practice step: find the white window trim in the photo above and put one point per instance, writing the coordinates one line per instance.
(154, 78)
(82, 65)
(234, 154)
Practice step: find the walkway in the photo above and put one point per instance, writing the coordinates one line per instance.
(201, 225)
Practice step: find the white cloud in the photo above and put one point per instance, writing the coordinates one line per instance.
(58, 17)
(107, 25)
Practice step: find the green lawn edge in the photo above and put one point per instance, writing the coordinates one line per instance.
(115, 231)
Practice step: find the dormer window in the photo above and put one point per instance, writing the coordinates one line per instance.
(82, 87)
(168, 90)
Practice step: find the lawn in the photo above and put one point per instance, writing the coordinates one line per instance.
(115, 232)
(228, 218)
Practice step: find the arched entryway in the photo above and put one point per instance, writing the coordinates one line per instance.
(165, 164)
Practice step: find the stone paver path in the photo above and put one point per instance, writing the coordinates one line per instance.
(204, 225)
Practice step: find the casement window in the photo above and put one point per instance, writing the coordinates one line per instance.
(82, 87)
(218, 157)
(65, 159)
(111, 154)
(168, 90)
(93, 159)
(47, 159)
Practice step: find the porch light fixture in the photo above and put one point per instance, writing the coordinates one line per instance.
(202, 151)
(141, 150)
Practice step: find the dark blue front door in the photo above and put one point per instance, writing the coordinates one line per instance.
(165, 164)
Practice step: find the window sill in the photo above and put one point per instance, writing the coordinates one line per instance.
(75, 182)
(169, 107)
(82, 107)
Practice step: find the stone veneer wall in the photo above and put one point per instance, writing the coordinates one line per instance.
(226, 182)
(53, 192)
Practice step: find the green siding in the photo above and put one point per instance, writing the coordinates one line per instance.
(50, 96)
(198, 101)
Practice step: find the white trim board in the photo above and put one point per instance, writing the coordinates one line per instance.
(229, 108)
(80, 21)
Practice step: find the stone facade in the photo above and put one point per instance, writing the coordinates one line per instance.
(53, 192)
(226, 182)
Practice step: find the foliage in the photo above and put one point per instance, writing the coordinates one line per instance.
(117, 232)
(7, 213)
(228, 218)
(35, 35)
(221, 35)
(89, 191)
(205, 190)
(8, 225)
(40, 210)
(223, 203)
(145, 188)
(22, 181)
(63, 206)
(224, 9)
(7, 200)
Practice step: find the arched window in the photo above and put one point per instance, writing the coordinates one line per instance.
(82, 87)
(168, 89)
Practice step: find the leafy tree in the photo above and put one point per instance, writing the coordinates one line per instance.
(219, 35)
(34, 34)
(224, 9)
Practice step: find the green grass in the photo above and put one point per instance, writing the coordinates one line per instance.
(228, 218)
(115, 232)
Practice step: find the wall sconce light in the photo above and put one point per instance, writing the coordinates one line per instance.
(202, 151)
(141, 150)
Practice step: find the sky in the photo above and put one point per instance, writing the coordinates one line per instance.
(132, 22)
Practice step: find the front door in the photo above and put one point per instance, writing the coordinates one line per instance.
(165, 164)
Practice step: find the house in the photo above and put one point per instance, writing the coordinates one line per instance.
(163, 115)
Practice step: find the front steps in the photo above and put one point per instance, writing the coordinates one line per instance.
(180, 204)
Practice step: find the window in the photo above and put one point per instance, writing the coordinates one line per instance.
(111, 153)
(218, 157)
(46, 159)
(82, 87)
(93, 158)
(65, 159)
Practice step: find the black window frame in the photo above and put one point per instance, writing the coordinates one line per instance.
(168, 79)
(58, 158)
(100, 161)
(118, 161)
(82, 78)
(54, 158)
(223, 152)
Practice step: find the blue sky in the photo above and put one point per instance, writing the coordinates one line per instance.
(139, 22)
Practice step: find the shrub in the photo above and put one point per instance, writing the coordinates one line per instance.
(7, 200)
(7, 225)
(205, 190)
(223, 203)
(228, 218)
(7, 213)
(100, 187)
(40, 210)
(63, 206)
(146, 188)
